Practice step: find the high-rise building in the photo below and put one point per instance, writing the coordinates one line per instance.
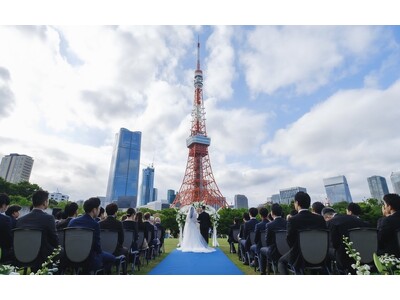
(275, 198)
(395, 178)
(241, 201)
(123, 180)
(377, 186)
(15, 168)
(147, 187)
(287, 195)
(337, 189)
(155, 194)
(171, 196)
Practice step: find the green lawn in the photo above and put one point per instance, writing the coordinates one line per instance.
(170, 245)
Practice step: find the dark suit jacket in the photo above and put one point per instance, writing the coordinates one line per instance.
(259, 227)
(111, 223)
(205, 221)
(39, 219)
(277, 224)
(387, 239)
(149, 228)
(249, 226)
(230, 233)
(160, 227)
(303, 220)
(131, 225)
(63, 223)
(339, 226)
(5, 233)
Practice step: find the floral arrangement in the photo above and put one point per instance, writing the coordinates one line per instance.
(385, 264)
(180, 218)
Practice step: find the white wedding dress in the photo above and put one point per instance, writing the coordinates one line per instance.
(192, 240)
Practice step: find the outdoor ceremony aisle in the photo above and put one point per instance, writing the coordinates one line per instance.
(190, 263)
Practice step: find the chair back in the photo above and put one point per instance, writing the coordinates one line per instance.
(365, 241)
(314, 245)
(235, 233)
(108, 240)
(398, 238)
(27, 243)
(140, 239)
(77, 243)
(60, 234)
(263, 238)
(281, 242)
(128, 238)
(159, 233)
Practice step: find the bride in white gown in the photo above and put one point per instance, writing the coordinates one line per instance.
(192, 239)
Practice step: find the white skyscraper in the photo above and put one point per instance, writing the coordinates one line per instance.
(15, 168)
(395, 178)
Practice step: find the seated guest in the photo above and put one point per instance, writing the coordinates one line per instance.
(71, 210)
(260, 227)
(5, 229)
(304, 219)
(13, 212)
(131, 224)
(270, 252)
(316, 207)
(150, 237)
(339, 226)
(249, 226)
(292, 213)
(111, 223)
(246, 217)
(387, 230)
(97, 257)
(101, 216)
(142, 228)
(161, 229)
(231, 238)
(39, 219)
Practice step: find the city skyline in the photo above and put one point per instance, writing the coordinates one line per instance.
(277, 116)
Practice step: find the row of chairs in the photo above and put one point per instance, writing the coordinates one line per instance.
(314, 248)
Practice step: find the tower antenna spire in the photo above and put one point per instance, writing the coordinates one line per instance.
(198, 52)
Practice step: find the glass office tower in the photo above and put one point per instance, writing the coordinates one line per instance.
(123, 180)
(147, 188)
(337, 189)
(378, 187)
(395, 178)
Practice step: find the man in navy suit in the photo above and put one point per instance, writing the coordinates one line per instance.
(303, 220)
(13, 212)
(260, 227)
(249, 226)
(388, 227)
(97, 257)
(270, 253)
(38, 218)
(5, 229)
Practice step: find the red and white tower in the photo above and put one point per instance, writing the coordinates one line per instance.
(199, 183)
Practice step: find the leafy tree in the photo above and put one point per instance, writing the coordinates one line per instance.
(19, 200)
(168, 220)
(340, 207)
(226, 218)
(4, 186)
(24, 189)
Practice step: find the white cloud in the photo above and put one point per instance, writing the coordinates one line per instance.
(305, 58)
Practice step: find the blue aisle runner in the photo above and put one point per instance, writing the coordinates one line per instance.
(189, 263)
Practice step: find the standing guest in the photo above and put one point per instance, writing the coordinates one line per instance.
(13, 212)
(231, 238)
(270, 252)
(303, 220)
(97, 257)
(205, 223)
(5, 229)
(388, 227)
(71, 210)
(111, 223)
(161, 229)
(39, 219)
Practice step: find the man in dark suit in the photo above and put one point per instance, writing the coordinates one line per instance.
(231, 238)
(205, 223)
(5, 229)
(13, 212)
(71, 210)
(38, 218)
(270, 253)
(339, 226)
(97, 257)
(260, 227)
(249, 226)
(111, 223)
(303, 220)
(387, 230)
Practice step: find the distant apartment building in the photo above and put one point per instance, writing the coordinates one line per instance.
(123, 180)
(241, 201)
(57, 196)
(147, 186)
(15, 168)
(395, 178)
(287, 195)
(377, 186)
(171, 196)
(337, 189)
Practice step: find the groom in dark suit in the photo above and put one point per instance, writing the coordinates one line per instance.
(205, 223)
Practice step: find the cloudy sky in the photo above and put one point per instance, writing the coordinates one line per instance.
(285, 105)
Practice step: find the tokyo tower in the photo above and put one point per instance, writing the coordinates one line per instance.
(199, 183)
